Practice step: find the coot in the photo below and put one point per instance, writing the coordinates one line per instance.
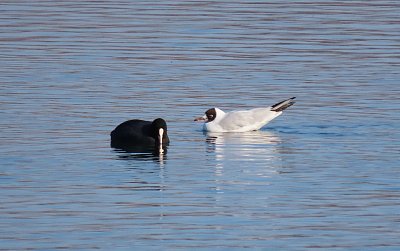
(142, 134)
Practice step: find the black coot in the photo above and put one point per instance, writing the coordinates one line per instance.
(140, 134)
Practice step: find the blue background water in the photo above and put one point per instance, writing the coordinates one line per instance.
(324, 175)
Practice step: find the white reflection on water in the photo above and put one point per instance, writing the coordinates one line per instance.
(259, 150)
(247, 145)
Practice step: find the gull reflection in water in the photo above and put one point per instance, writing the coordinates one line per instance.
(255, 150)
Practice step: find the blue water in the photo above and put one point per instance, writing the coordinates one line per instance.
(323, 176)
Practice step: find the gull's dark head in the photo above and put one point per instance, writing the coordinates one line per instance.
(209, 115)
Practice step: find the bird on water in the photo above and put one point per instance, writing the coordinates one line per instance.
(216, 120)
(140, 134)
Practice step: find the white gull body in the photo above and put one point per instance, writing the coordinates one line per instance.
(217, 120)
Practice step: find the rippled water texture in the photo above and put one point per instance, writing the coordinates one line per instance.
(324, 175)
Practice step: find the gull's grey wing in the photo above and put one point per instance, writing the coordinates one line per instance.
(252, 119)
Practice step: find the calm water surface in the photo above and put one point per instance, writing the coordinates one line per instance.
(323, 176)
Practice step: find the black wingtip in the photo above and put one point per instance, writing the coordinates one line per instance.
(283, 105)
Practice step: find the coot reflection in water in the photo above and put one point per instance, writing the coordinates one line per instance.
(142, 153)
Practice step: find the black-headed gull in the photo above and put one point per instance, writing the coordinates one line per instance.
(138, 133)
(217, 120)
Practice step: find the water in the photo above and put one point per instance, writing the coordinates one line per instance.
(324, 175)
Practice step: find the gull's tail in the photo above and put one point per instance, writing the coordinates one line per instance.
(283, 105)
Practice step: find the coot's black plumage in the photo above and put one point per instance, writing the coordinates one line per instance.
(140, 133)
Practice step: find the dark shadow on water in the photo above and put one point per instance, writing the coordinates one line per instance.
(141, 153)
(144, 168)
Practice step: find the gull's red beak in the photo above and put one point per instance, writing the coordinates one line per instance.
(204, 118)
